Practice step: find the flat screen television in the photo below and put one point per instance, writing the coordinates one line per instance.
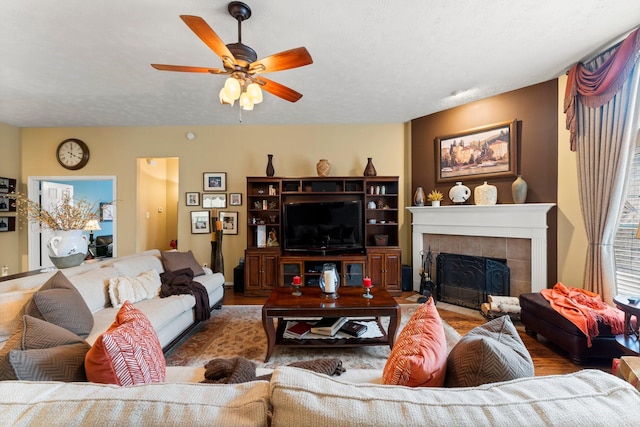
(323, 226)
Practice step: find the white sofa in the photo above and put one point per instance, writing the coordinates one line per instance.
(295, 397)
(171, 317)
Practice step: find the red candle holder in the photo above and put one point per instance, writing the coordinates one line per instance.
(366, 283)
(296, 284)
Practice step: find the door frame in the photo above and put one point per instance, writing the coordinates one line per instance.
(33, 192)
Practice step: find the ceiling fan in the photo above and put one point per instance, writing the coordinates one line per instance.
(241, 63)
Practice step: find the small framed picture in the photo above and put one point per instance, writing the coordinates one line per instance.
(7, 185)
(215, 181)
(229, 222)
(7, 204)
(214, 200)
(106, 211)
(193, 199)
(200, 222)
(235, 199)
(7, 223)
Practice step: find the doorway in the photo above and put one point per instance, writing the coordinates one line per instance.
(157, 203)
(96, 189)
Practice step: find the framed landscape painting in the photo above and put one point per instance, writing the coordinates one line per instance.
(480, 153)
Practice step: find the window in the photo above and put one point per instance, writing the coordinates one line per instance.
(627, 243)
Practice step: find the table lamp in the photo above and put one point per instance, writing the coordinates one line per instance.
(91, 226)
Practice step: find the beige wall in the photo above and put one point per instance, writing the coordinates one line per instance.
(10, 168)
(572, 237)
(240, 151)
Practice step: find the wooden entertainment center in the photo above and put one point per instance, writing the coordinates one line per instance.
(267, 267)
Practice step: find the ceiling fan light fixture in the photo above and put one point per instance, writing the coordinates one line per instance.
(245, 102)
(255, 93)
(225, 99)
(232, 88)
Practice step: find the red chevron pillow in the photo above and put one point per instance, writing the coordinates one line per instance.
(419, 356)
(128, 353)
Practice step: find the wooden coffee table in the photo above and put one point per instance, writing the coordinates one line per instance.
(312, 303)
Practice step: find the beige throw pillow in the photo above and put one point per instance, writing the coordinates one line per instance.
(134, 289)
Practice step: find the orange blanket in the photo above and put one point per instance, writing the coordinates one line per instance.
(584, 309)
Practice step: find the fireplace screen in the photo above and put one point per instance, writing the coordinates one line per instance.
(467, 280)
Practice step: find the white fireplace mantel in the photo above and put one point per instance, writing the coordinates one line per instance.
(525, 221)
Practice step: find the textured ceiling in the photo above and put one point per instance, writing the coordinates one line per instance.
(86, 63)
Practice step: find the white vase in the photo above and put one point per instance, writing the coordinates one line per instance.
(459, 193)
(485, 194)
(435, 203)
(67, 248)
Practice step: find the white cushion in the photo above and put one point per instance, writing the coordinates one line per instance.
(93, 286)
(11, 310)
(134, 289)
(134, 265)
(41, 403)
(587, 397)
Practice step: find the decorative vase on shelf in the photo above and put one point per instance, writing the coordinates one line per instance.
(435, 203)
(323, 167)
(419, 197)
(67, 248)
(519, 190)
(459, 193)
(485, 194)
(370, 170)
(270, 170)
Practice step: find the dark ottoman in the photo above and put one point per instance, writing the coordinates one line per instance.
(538, 317)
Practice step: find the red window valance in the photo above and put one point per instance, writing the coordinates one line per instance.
(595, 88)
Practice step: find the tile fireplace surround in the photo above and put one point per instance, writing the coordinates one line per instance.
(500, 231)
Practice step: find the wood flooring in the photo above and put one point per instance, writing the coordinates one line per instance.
(548, 359)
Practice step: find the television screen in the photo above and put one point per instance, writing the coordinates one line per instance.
(327, 225)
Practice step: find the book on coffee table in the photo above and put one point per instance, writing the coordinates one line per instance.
(354, 329)
(299, 329)
(328, 325)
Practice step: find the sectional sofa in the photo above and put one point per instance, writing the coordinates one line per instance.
(171, 317)
(296, 397)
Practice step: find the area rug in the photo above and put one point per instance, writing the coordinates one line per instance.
(237, 331)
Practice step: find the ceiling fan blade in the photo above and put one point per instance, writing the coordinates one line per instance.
(209, 37)
(285, 60)
(188, 69)
(279, 90)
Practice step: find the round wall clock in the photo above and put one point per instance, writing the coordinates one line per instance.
(72, 154)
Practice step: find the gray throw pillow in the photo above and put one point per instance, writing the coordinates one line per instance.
(62, 363)
(173, 261)
(489, 353)
(39, 350)
(60, 303)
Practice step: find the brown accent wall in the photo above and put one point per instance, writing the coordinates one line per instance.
(535, 108)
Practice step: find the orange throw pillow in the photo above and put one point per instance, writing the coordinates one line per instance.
(419, 356)
(128, 353)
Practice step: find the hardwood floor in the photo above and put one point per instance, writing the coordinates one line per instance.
(547, 358)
